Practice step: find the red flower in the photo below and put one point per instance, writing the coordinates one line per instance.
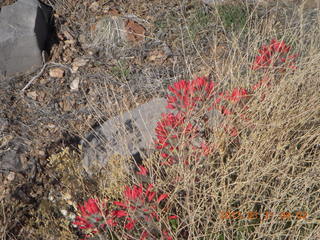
(262, 61)
(83, 223)
(135, 193)
(165, 128)
(93, 216)
(138, 195)
(162, 197)
(130, 224)
(119, 213)
(273, 55)
(206, 149)
(203, 86)
(90, 207)
(187, 94)
(136, 199)
(138, 205)
(225, 111)
(142, 170)
(144, 235)
(180, 90)
(169, 131)
(191, 95)
(120, 204)
(280, 47)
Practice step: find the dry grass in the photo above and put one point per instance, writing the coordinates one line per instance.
(273, 167)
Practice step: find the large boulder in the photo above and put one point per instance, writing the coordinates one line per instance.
(23, 33)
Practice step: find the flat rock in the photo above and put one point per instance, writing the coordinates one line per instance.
(129, 134)
(126, 134)
(10, 156)
(23, 34)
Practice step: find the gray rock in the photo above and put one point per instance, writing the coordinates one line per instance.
(23, 33)
(10, 156)
(127, 134)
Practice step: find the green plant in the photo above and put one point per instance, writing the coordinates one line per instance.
(233, 17)
(121, 70)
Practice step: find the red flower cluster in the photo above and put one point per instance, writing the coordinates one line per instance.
(274, 55)
(186, 95)
(189, 94)
(138, 208)
(236, 95)
(93, 216)
(189, 97)
(168, 131)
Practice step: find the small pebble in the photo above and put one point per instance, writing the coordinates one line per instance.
(56, 73)
(74, 86)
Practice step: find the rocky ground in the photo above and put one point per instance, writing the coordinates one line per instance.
(95, 72)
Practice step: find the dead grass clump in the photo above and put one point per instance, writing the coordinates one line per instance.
(108, 33)
(113, 178)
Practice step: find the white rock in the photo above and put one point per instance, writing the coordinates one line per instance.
(64, 212)
(74, 86)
